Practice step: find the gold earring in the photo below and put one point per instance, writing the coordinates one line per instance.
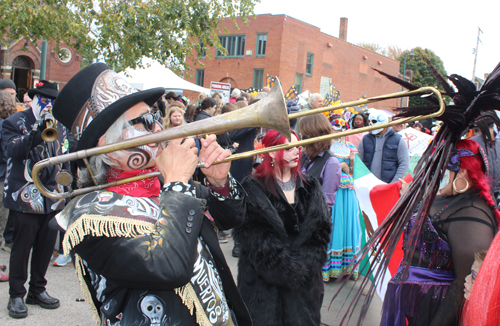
(461, 190)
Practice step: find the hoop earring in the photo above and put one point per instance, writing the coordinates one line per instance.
(461, 190)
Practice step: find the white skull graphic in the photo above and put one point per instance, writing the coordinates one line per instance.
(152, 308)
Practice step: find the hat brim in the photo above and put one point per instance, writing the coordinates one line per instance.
(107, 117)
(47, 92)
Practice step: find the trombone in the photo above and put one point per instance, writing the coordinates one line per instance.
(268, 113)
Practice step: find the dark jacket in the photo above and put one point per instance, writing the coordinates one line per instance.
(222, 139)
(283, 248)
(389, 154)
(243, 167)
(23, 148)
(157, 256)
(3, 161)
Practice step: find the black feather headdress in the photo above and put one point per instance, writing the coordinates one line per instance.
(470, 108)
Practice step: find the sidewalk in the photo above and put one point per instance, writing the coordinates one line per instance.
(63, 284)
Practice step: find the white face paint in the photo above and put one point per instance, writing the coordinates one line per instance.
(41, 103)
(142, 157)
(377, 117)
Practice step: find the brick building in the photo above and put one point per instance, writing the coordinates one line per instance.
(298, 53)
(20, 61)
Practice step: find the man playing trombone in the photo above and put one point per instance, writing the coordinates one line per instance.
(145, 257)
(31, 212)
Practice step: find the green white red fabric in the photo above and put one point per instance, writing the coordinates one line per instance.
(376, 199)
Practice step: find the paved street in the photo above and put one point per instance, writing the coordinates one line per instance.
(63, 284)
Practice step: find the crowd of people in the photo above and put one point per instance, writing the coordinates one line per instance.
(148, 250)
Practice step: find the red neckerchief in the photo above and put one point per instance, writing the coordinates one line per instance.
(149, 187)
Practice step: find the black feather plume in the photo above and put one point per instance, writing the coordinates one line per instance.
(469, 106)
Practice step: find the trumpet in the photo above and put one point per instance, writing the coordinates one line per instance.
(50, 133)
(268, 113)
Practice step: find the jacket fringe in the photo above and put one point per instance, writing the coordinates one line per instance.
(190, 300)
(103, 226)
(112, 226)
(80, 272)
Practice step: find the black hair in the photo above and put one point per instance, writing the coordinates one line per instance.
(205, 104)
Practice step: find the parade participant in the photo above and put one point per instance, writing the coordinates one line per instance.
(384, 151)
(442, 228)
(173, 118)
(315, 102)
(29, 210)
(146, 259)
(7, 108)
(474, 270)
(357, 121)
(492, 149)
(317, 160)
(234, 95)
(283, 240)
(346, 235)
(460, 223)
(27, 101)
(482, 307)
(7, 85)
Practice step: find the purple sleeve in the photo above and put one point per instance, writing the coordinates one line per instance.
(331, 180)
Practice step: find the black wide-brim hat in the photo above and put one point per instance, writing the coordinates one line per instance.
(94, 99)
(45, 88)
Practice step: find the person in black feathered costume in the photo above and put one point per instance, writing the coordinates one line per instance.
(283, 240)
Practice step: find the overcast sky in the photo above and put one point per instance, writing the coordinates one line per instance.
(447, 27)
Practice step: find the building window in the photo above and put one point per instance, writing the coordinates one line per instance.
(298, 83)
(203, 52)
(64, 55)
(258, 78)
(234, 45)
(200, 77)
(309, 64)
(260, 51)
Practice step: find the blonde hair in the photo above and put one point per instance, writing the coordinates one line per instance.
(166, 121)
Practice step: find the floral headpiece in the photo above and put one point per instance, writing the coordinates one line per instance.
(39, 85)
(454, 163)
(338, 124)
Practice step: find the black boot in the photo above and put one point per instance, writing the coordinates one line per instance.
(43, 299)
(17, 308)
(236, 250)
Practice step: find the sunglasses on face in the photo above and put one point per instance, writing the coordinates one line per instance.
(148, 120)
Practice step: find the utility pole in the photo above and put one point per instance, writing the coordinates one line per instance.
(479, 31)
(43, 59)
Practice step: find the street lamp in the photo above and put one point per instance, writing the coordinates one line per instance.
(404, 71)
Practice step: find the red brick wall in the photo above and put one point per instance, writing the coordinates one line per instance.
(288, 41)
(55, 70)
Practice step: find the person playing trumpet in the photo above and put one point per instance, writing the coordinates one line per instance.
(145, 257)
(30, 212)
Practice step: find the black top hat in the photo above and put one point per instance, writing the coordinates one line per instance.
(93, 99)
(45, 88)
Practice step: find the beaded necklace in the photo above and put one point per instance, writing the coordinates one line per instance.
(287, 186)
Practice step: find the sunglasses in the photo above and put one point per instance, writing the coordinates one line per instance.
(148, 120)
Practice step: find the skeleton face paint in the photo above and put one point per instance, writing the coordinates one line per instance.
(41, 103)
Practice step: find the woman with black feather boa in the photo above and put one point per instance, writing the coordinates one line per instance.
(283, 240)
(441, 232)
